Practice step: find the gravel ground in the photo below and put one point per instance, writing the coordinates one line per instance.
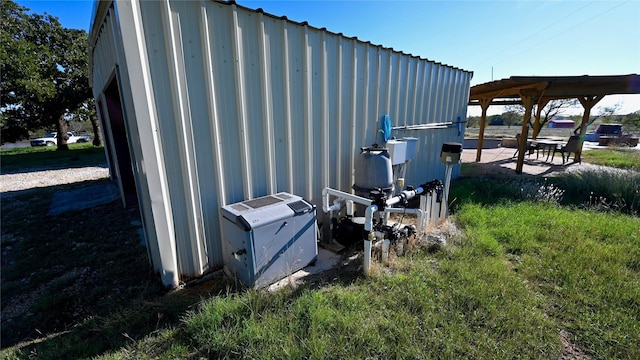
(34, 179)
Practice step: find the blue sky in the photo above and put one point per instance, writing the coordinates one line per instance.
(494, 39)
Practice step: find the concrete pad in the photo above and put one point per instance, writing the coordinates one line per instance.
(500, 161)
(84, 198)
(327, 260)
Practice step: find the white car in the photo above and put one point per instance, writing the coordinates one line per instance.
(52, 139)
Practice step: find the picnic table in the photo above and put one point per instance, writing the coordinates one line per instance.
(546, 145)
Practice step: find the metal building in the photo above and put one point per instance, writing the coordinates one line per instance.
(207, 103)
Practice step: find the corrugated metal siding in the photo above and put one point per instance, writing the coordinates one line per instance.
(107, 62)
(123, 59)
(248, 104)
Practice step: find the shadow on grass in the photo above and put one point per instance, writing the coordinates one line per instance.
(78, 283)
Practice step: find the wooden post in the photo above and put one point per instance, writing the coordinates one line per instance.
(484, 104)
(536, 123)
(527, 101)
(588, 102)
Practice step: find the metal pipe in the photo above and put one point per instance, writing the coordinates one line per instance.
(447, 183)
(442, 125)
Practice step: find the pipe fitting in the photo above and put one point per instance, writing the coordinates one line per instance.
(368, 217)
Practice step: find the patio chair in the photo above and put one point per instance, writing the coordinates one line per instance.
(572, 146)
(528, 148)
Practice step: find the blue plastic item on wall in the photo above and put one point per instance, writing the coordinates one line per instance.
(386, 128)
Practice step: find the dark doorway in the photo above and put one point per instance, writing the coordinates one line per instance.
(118, 135)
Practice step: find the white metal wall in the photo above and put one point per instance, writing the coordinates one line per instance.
(247, 104)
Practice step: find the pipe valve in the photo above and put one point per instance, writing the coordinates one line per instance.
(379, 198)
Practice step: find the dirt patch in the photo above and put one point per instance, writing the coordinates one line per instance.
(569, 349)
(59, 270)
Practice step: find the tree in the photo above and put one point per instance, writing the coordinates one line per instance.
(606, 114)
(473, 121)
(495, 120)
(631, 121)
(551, 110)
(86, 113)
(511, 118)
(43, 74)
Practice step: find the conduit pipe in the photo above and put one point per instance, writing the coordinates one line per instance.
(368, 226)
(368, 221)
(405, 195)
(408, 211)
(370, 212)
(385, 250)
(442, 125)
(335, 207)
(326, 192)
(349, 207)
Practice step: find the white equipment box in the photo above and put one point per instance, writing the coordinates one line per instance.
(268, 238)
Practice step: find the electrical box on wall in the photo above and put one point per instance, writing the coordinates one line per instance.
(268, 238)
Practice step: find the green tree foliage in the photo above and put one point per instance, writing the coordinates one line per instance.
(495, 120)
(84, 117)
(631, 121)
(511, 118)
(550, 111)
(43, 74)
(473, 121)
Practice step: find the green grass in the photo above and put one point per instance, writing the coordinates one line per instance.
(619, 158)
(523, 273)
(525, 270)
(584, 263)
(20, 159)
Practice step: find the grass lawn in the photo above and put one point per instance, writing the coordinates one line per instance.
(526, 278)
(615, 157)
(20, 159)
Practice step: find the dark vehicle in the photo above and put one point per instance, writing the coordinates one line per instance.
(604, 130)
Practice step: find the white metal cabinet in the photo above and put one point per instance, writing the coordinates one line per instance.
(268, 238)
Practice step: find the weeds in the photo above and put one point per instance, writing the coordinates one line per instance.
(602, 189)
(597, 188)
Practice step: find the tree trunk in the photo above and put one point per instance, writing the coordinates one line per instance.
(62, 128)
(97, 134)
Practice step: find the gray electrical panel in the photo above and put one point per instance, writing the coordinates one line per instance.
(268, 238)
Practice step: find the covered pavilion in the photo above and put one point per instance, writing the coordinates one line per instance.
(532, 90)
